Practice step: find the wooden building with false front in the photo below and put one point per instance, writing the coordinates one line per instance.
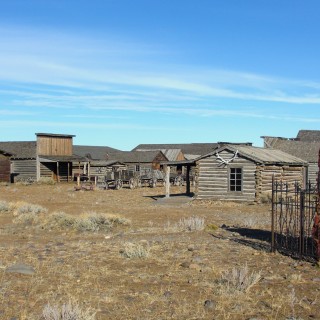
(55, 156)
(244, 172)
(50, 156)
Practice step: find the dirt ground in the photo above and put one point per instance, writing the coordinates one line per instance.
(182, 274)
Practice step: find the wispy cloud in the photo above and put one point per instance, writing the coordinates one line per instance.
(51, 70)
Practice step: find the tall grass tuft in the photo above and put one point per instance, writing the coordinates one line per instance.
(86, 222)
(191, 224)
(237, 280)
(27, 213)
(31, 209)
(4, 207)
(135, 250)
(46, 181)
(68, 311)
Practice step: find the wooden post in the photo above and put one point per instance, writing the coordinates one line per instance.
(188, 180)
(58, 180)
(167, 181)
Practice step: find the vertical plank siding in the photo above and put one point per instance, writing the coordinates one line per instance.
(4, 168)
(54, 146)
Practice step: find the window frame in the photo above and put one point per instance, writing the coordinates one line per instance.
(236, 184)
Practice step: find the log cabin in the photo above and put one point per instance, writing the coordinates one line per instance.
(244, 172)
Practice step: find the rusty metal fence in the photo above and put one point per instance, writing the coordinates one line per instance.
(292, 220)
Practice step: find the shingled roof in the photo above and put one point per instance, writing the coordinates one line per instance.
(20, 149)
(305, 150)
(134, 156)
(308, 135)
(171, 154)
(261, 155)
(94, 152)
(186, 148)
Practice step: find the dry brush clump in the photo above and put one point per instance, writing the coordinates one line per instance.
(193, 223)
(91, 221)
(5, 207)
(22, 211)
(139, 250)
(190, 224)
(237, 281)
(67, 311)
(46, 181)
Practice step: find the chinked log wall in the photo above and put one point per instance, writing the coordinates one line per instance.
(286, 174)
(313, 172)
(213, 179)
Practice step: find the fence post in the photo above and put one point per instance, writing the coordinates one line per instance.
(273, 249)
(301, 236)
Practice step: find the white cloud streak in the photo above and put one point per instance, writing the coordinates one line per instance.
(51, 70)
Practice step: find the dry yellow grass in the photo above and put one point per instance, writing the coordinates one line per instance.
(177, 279)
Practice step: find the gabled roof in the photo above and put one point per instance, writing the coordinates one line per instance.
(136, 156)
(20, 149)
(94, 152)
(186, 148)
(105, 163)
(171, 154)
(260, 155)
(308, 135)
(307, 151)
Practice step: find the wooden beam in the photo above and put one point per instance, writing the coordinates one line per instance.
(167, 181)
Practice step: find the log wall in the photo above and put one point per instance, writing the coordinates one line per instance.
(313, 172)
(24, 169)
(286, 174)
(213, 179)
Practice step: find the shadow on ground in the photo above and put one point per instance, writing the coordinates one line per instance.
(255, 238)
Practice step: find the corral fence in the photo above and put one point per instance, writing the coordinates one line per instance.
(292, 220)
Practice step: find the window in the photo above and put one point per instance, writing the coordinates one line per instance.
(137, 168)
(235, 179)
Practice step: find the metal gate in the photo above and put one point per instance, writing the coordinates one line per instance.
(292, 220)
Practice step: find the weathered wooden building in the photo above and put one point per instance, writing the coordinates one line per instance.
(5, 166)
(244, 172)
(50, 156)
(136, 160)
(23, 159)
(186, 150)
(55, 156)
(305, 146)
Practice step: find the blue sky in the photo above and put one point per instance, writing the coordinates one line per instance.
(124, 72)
